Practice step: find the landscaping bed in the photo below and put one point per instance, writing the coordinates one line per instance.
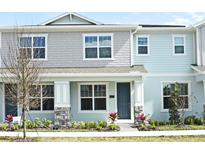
(44, 125)
(189, 123)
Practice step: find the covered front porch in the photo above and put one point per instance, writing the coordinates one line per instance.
(91, 96)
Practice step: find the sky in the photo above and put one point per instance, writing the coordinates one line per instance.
(28, 18)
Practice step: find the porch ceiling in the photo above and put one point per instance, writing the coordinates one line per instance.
(125, 71)
(137, 69)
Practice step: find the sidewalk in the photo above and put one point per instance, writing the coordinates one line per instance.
(107, 134)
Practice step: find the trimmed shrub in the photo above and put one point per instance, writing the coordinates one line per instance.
(38, 123)
(189, 120)
(102, 123)
(198, 121)
(4, 127)
(82, 125)
(99, 127)
(113, 127)
(154, 123)
(162, 123)
(30, 124)
(15, 127)
(92, 124)
(74, 124)
(46, 123)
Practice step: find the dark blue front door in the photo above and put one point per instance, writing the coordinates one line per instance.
(123, 100)
(10, 105)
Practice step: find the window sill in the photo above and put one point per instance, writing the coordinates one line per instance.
(181, 54)
(100, 59)
(167, 110)
(48, 111)
(39, 59)
(143, 55)
(100, 111)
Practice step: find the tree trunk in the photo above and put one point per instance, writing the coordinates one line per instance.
(24, 122)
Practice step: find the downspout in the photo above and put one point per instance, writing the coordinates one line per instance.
(198, 46)
(132, 44)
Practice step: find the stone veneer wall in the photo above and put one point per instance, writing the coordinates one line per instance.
(62, 116)
(137, 111)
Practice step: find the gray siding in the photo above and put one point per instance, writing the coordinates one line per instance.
(66, 50)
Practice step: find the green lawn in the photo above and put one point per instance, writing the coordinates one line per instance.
(187, 127)
(113, 139)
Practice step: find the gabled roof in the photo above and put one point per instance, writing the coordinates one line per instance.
(70, 18)
(198, 24)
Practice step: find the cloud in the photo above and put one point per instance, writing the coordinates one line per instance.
(179, 21)
(189, 19)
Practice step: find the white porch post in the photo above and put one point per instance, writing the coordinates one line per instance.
(139, 93)
(139, 98)
(62, 103)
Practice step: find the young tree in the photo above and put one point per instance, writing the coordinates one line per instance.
(21, 74)
(173, 105)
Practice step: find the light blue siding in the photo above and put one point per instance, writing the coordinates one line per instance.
(41, 115)
(153, 96)
(77, 116)
(1, 103)
(161, 58)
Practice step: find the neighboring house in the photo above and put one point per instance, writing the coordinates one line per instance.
(93, 68)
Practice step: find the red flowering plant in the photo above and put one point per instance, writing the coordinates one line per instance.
(9, 120)
(142, 119)
(113, 116)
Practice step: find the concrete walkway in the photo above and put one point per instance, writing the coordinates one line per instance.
(107, 134)
(127, 127)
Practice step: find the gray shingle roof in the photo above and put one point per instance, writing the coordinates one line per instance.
(199, 68)
(124, 69)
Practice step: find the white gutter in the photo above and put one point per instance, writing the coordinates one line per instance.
(167, 29)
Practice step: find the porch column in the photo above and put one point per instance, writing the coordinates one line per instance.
(62, 103)
(204, 99)
(139, 99)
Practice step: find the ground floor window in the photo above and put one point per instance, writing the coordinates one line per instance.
(184, 94)
(93, 97)
(42, 98)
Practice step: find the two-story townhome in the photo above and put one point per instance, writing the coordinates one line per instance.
(92, 69)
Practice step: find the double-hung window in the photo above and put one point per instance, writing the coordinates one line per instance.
(179, 44)
(142, 45)
(34, 46)
(98, 46)
(93, 97)
(42, 98)
(183, 101)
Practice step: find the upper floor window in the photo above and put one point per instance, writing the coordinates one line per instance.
(98, 46)
(35, 46)
(143, 45)
(179, 44)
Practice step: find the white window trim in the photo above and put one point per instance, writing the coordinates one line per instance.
(189, 95)
(98, 34)
(79, 97)
(137, 45)
(173, 45)
(46, 48)
(41, 98)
